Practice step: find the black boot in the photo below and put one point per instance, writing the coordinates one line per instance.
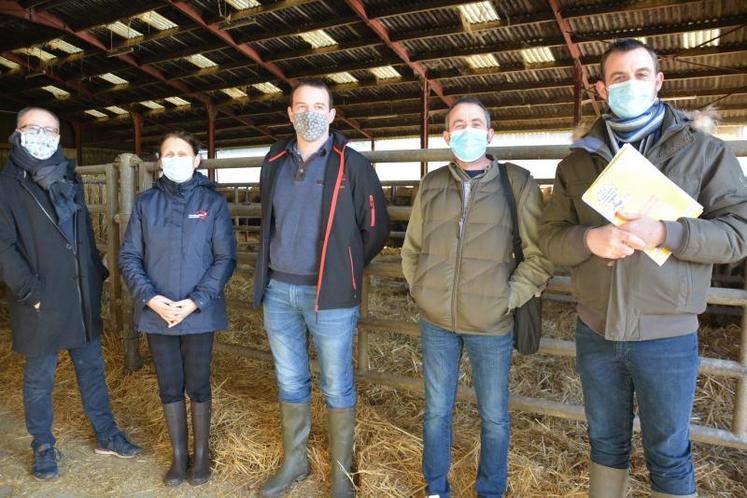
(200, 472)
(295, 422)
(340, 431)
(176, 422)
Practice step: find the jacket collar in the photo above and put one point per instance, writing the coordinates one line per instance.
(338, 142)
(186, 188)
(490, 173)
(676, 133)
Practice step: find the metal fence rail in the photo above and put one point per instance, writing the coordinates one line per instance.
(127, 175)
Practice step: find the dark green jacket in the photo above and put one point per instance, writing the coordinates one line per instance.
(635, 299)
(458, 259)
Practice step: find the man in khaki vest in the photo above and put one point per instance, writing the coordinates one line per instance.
(457, 259)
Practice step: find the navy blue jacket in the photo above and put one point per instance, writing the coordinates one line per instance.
(179, 244)
(354, 228)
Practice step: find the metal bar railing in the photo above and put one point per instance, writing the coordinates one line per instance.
(128, 173)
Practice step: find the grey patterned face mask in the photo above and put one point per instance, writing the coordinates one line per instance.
(311, 125)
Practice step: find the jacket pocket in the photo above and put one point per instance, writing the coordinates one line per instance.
(352, 269)
(372, 207)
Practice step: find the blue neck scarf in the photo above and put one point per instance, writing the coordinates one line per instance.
(643, 129)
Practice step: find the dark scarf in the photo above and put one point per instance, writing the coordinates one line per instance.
(643, 129)
(49, 174)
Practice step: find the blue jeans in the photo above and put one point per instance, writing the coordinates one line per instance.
(490, 357)
(288, 313)
(662, 374)
(38, 381)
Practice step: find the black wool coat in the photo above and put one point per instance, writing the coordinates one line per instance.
(39, 264)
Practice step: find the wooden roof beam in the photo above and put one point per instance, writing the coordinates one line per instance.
(540, 17)
(243, 48)
(246, 17)
(582, 74)
(182, 89)
(382, 32)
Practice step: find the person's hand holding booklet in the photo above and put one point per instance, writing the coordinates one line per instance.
(632, 184)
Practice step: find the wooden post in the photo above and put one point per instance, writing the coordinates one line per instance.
(112, 246)
(127, 164)
(137, 124)
(577, 96)
(424, 128)
(77, 132)
(211, 115)
(363, 331)
(739, 423)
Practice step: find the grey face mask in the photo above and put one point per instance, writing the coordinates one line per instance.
(311, 125)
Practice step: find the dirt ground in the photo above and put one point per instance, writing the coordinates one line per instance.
(548, 456)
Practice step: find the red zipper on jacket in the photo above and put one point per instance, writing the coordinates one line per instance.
(330, 220)
(373, 209)
(352, 269)
(278, 155)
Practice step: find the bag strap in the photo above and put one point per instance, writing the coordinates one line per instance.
(511, 195)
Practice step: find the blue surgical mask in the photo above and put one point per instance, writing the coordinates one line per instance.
(468, 144)
(630, 98)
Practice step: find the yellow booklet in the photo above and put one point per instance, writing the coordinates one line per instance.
(632, 184)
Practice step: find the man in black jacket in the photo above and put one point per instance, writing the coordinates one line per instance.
(323, 219)
(50, 264)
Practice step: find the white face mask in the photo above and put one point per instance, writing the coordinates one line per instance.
(178, 169)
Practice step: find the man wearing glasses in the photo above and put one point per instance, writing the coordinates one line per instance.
(50, 265)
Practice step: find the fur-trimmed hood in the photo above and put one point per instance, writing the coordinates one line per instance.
(705, 120)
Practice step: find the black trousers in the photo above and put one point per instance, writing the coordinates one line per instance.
(182, 364)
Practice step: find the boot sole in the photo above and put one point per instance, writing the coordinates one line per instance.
(47, 478)
(281, 492)
(100, 451)
(199, 483)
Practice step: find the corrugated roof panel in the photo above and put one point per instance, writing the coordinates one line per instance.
(342, 78)
(158, 21)
(318, 39)
(150, 104)
(479, 12)
(537, 55)
(116, 109)
(200, 61)
(96, 114)
(243, 4)
(234, 93)
(58, 92)
(63, 46)
(385, 72)
(703, 38)
(267, 88)
(113, 79)
(37, 52)
(123, 30)
(9, 63)
(177, 101)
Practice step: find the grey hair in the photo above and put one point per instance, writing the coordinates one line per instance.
(29, 109)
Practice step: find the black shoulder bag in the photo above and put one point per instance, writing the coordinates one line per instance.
(528, 317)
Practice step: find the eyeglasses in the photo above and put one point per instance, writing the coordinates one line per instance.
(36, 129)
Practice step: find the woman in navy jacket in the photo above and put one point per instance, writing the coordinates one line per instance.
(178, 254)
